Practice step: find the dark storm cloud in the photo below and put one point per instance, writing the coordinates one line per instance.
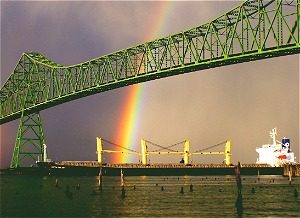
(240, 102)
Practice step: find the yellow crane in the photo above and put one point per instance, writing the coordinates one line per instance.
(185, 153)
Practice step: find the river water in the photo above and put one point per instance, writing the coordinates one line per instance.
(212, 196)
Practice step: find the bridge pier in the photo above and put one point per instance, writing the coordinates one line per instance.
(30, 141)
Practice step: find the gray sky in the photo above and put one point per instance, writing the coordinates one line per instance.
(240, 102)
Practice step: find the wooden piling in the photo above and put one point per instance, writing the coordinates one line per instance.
(100, 182)
(181, 191)
(191, 188)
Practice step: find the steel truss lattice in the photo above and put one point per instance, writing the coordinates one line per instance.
(30, 140)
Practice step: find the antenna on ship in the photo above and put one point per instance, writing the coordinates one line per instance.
(273, 134)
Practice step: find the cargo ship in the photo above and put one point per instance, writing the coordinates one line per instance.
(92, 168)
(272, 160)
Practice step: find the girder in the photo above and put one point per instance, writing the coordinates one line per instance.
(254, 30)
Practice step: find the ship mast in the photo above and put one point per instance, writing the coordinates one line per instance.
(273, 134)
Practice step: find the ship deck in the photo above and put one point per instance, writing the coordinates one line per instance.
(156, 165)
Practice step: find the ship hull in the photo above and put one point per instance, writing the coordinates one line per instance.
(45, 169)
(192, 171)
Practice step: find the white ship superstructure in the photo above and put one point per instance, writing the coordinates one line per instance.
(277, 153)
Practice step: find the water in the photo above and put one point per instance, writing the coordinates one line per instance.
(212, 196)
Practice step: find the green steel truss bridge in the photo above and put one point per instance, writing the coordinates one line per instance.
(254, 30)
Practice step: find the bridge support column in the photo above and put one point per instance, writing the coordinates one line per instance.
(99, 150)
(30, 141)
(227, 153)
(144, 152)
(186, 155)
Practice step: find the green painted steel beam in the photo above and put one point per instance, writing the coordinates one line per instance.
(252, 31)
(29, 145)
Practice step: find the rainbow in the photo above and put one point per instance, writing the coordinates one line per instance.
(126, 132)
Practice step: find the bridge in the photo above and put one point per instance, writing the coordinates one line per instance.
(253, 30)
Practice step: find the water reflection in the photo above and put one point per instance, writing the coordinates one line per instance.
(239, 199)
(202, 197)
(239, 205)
